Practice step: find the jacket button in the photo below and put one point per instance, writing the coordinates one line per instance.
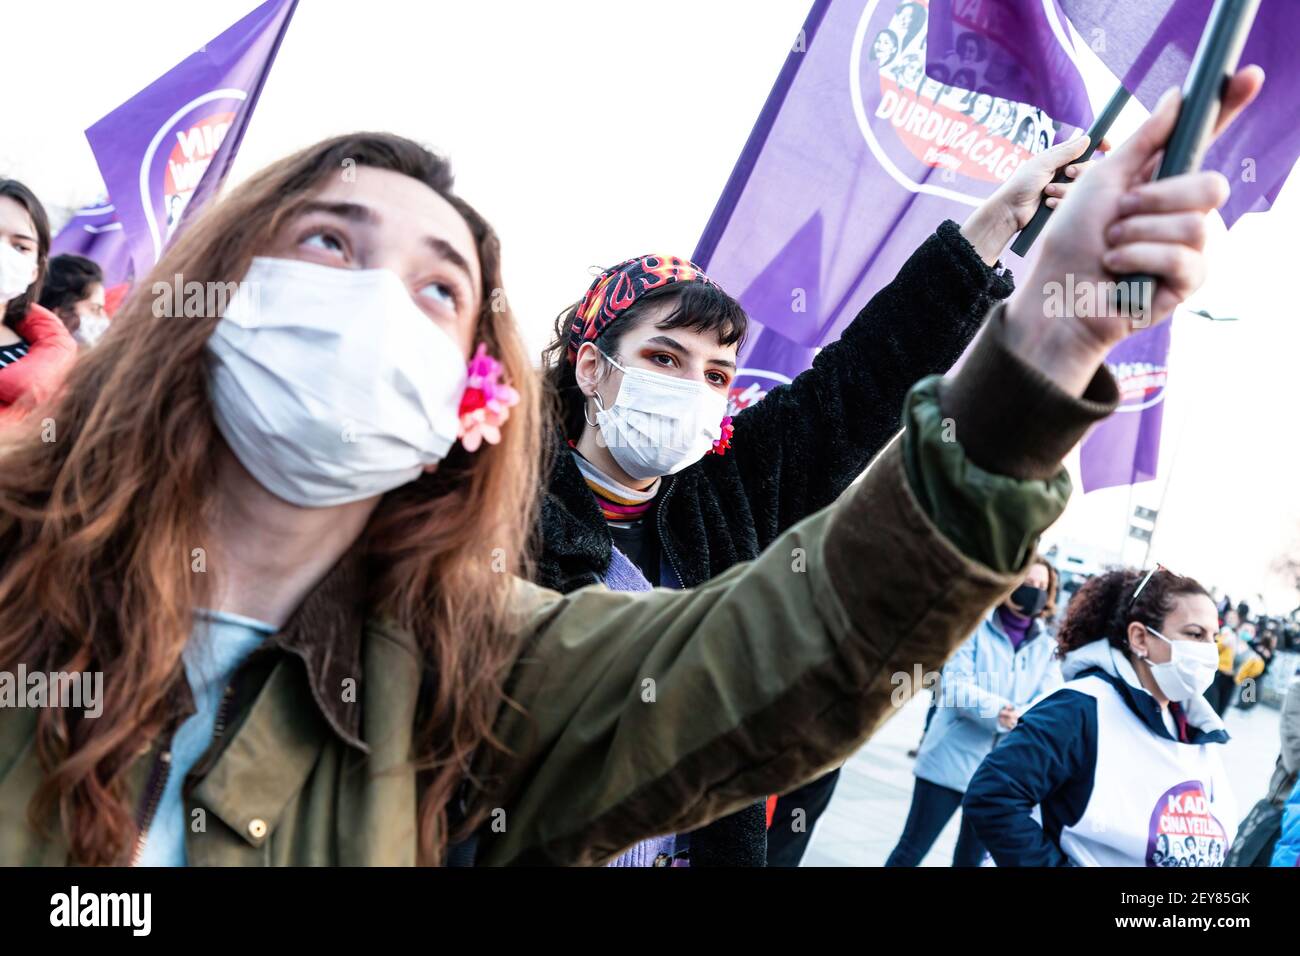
(257, 828)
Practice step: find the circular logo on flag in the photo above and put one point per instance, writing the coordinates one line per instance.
(1183, 830)
(189, 160)
(1141, 384)
(931, 133)
(179, 154)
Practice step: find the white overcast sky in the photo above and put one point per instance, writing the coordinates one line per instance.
(591, 130)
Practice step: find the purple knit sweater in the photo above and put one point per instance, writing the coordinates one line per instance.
(623, 575)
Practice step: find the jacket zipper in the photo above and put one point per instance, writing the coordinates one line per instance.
(218, 731)
(162, 770)
(223, 712)
(158, 775)
(664, 543)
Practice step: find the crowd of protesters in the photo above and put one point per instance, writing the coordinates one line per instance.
(1247, 648)
(582, 616)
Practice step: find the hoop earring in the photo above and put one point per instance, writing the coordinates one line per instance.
(599, 405)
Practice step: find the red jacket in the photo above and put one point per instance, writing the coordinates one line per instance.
(39, 374)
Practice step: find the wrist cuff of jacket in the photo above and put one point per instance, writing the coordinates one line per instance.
(995, 280)
(1010, 418)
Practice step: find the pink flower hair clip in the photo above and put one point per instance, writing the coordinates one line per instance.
(722, 444)
(486, 402)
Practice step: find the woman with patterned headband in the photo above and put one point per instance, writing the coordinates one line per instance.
(655, 484)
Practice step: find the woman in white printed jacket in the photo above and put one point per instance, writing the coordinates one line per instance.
(1123, 761)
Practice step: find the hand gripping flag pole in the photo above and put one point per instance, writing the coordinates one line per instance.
(1215, 62)
(1096, 133)
(1216, 59)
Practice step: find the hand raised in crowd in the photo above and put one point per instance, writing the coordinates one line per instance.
(1013, 204)
(1008, 718)
(1119, 222)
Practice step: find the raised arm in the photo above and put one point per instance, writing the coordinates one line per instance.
(799, 447)
(658, 713)
(804, 443)
(640, 715)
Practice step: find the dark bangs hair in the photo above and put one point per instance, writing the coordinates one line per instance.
(16, 311)
(68, 280)
(699, 307)
(1104, 606)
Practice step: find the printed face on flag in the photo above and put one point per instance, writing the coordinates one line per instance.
(180, 152)
(859, 155)
(921, 124)
(192, 151)
(1019, 50)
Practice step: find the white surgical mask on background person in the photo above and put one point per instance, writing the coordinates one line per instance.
(17, 272)
(331, 385)
(1189, 671)
(90, 329)
(659, 424)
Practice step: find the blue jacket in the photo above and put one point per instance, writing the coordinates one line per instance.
(984, 676)
(1092, 776)
(1287, 851)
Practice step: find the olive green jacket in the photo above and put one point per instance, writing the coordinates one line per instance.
(641, 714)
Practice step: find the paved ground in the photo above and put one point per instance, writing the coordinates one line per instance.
(870, 804)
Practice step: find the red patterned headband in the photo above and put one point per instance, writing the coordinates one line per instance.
(617, 288)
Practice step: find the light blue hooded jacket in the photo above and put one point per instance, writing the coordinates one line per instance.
(1287, 850)
(984, 676)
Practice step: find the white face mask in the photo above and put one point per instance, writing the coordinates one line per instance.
(658, 424)
(331, 385)
(1189, 671)
(90, 329)
(17, 272)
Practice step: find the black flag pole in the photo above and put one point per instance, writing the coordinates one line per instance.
(1096, 133)
(1216, 60)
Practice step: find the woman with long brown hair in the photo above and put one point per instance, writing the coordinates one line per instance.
(143, 505)
(284, 527)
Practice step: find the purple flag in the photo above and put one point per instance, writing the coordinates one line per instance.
(1150, 47)
(856, 158)
(1124, 449)
(167, 148)
(1017, 49)
(95, 233)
